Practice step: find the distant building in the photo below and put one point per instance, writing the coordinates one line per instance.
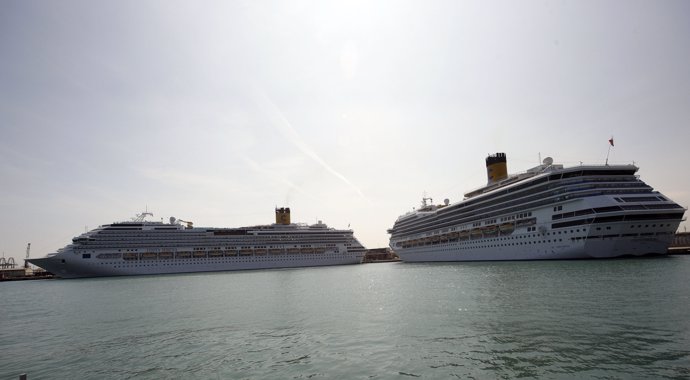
(682, 239)
(380, 255)
(7, 274)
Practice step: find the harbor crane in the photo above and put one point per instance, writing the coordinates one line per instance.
(26, 261)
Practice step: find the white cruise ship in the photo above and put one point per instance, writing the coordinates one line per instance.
(548, 212)
(142, 247)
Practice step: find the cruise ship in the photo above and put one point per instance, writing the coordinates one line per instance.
(141, 247)
(547, 212)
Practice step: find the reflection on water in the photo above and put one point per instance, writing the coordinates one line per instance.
(565, 319)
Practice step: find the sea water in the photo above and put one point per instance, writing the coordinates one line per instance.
(605, 319)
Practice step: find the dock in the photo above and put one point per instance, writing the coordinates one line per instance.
(21, 274)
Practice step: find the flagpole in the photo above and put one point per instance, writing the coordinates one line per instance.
(607, 155)
(609, 151)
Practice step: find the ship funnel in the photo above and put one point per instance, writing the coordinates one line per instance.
(283, 215)
(496, 168)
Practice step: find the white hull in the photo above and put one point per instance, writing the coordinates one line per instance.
(586, 249)
(576, 213)
(605, 240)
(76, 267)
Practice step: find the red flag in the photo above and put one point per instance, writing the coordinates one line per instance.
(611, 141)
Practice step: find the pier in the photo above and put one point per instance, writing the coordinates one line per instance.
(10, 272)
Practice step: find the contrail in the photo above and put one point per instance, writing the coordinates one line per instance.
(286, 129)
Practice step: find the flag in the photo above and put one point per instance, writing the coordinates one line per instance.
(611, 141)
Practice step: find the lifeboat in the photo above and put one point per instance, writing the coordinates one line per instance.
(320, 250)
(464, 234)
(476, 233)
(293, 250)
(275, 251)
(260, 251)
(199, 254)
(490, 230)
(230, 251)
(148, 256)
(183, 255)
(526, 222)
(109, 256)
(306, 250)
(506, 228)
(130, 256)
(215, 253)
(246, 252)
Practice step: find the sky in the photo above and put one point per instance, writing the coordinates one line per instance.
(345, 111)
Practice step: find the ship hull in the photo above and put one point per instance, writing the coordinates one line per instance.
(591, 250)
(66, 265)
(530, 246)
(147, 248)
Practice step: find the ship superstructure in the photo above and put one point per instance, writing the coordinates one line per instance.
(547, 212)
(141, 247)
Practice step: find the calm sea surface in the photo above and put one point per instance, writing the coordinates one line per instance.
(608, 319)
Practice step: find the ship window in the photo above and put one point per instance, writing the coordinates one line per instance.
(86, 256)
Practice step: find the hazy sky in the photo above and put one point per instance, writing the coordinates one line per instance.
(216, 112)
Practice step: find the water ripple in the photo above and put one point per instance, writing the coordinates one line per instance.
(565, 320)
